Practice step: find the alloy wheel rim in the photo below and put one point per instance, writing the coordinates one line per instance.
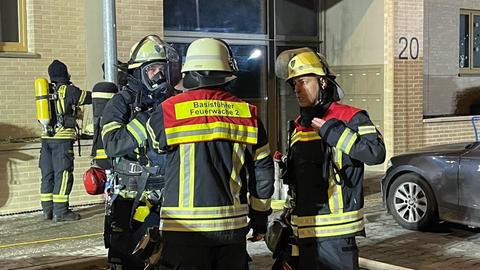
(410, 202)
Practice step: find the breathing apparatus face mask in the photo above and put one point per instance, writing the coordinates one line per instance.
(153, 75)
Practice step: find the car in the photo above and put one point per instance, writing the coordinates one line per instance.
(434, 183)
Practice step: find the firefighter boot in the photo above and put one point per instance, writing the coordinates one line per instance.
(67, 216)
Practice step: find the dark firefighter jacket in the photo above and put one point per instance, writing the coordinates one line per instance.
(122, 135)
(65, 110)
(329, 196)
(216, 143)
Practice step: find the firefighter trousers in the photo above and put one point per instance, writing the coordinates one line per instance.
(183, 257)
(330, 254)
(56, 166)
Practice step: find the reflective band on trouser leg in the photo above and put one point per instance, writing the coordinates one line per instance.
(81, 100)
(46, 197)
(238, 158)
(186, 189)
(329, 225)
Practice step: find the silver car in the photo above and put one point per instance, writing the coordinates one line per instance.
(435, 183)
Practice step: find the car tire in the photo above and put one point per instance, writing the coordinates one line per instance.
(412, 202)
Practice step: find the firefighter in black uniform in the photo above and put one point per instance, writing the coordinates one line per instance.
(329, 145)
(134, 200)
(56, 155)
(214, 141)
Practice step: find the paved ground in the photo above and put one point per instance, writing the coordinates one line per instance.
(27, 242)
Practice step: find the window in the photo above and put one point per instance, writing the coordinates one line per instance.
(297, 18)
(216, 16)
(13, 34)
(469, 42)
(254, 29)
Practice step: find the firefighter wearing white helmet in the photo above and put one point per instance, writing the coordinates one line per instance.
(153, 69)
(327, 198)
(215, 140)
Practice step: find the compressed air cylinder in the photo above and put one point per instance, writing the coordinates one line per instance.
(42, 102)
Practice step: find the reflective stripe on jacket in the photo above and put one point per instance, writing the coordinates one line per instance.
(213, 150)
(329, 202)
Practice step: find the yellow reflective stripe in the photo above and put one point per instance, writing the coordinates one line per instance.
(46, 197)
(109, 127)
(238, 158)
(138, 131)
(155, 143)
(204, 212)
(83, 94)
(204, 108)
(191, 174)
(329, 219)
(333, 230)
(203, 225)
(61, 99)
(186, 187)
(62, 133)
(364, 130)
(100, 154)
(262, 152)
(102, 95)
(333, 200)
(261, 205)
(63, 186)
(60, 198)
(304, 136)
(128, 194)
(335, 190)
(295, 250)
(210, 132)
(346, 141)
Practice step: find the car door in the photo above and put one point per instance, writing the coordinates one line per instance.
(469, 178)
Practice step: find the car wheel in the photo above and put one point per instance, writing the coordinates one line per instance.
(411, 202)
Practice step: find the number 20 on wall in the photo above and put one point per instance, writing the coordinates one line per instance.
(412, 46)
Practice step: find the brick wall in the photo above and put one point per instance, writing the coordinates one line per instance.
(136, 19)
(20, 178)
(407, 93)
(56, 30)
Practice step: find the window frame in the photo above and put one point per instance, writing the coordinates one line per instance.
(470, 69)
(21, 45)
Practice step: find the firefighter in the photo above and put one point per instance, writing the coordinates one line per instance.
(329, 145)
(215, 140)
(56, 154)
(138, 171)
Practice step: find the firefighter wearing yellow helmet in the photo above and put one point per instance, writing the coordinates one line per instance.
(327, 198)
(215, 140)
(153, 69)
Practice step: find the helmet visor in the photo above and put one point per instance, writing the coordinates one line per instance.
(281, 64)
(153, 74)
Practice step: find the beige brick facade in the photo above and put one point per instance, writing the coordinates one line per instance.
(56, 30)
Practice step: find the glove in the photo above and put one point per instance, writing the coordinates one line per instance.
(258, 221)
(142, 117)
